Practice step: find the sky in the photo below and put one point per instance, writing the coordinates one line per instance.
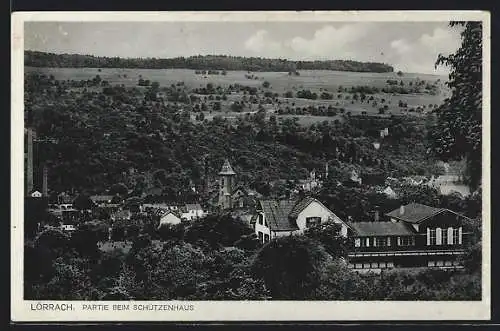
(408, 46)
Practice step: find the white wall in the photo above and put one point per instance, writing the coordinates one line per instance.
(170, 219)
(262, 227)
(316, 209)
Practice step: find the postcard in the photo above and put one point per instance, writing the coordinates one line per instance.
(250, 166)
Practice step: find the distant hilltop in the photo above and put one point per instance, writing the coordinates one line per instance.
(200, 62)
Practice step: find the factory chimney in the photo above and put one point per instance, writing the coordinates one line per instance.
(45, 189)
(29, 163)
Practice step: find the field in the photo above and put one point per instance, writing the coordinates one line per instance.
(317, 81)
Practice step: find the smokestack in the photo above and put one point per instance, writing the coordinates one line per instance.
(45, 189)
(402, 210)
(29, 165)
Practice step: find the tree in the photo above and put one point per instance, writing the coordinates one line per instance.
(277, 263)
(328, 235)
(83, 202)
(457, 133)
(119, 189)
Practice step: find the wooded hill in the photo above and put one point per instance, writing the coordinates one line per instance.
(199, 62)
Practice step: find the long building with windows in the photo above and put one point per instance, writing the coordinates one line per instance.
(413, 235)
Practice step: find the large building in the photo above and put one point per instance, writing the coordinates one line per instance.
(277, 218)
(226, 185)
(413, 235)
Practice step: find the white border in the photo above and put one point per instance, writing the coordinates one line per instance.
(241, 310)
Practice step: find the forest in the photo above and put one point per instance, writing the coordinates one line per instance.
(200, 62)
(112, 134)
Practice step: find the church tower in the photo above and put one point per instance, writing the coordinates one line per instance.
(226, 176)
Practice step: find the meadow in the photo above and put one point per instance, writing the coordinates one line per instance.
(317, 81)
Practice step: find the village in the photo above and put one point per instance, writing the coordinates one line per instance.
(413, 235)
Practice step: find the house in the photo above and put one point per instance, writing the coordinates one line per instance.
(413, 235)
(65, 212)
(355, 177)
(169, 217)
(121, 215)
(192, 211)
(245, 198)
(277, 218)
(389, 192)
(68, 228)
(414, 180)
(101, 200)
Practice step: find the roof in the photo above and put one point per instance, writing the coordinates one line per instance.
(381, 228)
(193, 206)
(170, 212)
(227, 169)
(300, 206)
(415, 213)
(277, 213)
(101, 198)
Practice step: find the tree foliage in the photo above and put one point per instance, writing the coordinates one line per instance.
(458, 130)
(207, 62)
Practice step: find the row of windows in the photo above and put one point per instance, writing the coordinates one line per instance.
(371, 265)
(440, 236)
(383, 241)
(441, 263)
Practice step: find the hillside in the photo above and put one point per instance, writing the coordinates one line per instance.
(205, 62)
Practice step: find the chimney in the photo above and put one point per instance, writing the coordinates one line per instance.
(45, 190)
(29, 165)
(376, 217)
(402, 210)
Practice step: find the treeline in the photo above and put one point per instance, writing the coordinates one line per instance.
(200, 62)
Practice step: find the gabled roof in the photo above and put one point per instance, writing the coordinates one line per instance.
(282, 214)
(382, 228)
(300, 206)
(227, 169)
(277, 213)
(415, 213)
(170, 212)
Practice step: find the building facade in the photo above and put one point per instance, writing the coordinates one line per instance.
(277, 218)
(414, 235)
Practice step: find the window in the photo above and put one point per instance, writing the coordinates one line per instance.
(261, 235)
(406, 241)
(432, 237)
(357, 242)
(261, 219)
(312, 221)
(455, 237)
(380, 241)
(444, 237)
(266, 238)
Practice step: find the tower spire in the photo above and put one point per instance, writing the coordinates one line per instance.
(226, 185)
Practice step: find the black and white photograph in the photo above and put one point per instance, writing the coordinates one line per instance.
(171, 161)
